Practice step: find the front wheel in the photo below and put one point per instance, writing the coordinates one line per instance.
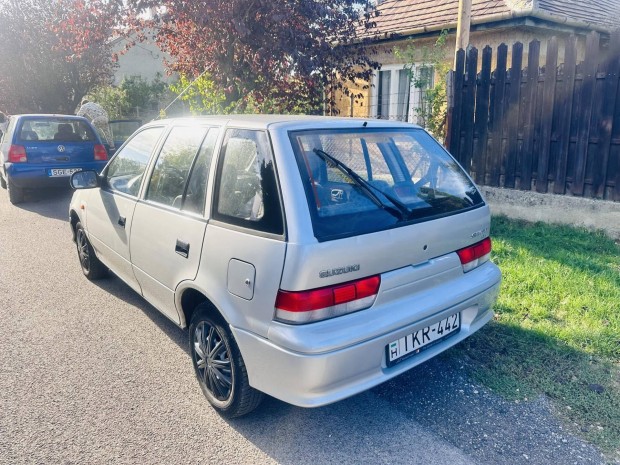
(219, 367)
(90, 264)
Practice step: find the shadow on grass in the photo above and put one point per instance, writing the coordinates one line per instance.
(518, 363)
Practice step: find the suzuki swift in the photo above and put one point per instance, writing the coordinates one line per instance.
(311, 258)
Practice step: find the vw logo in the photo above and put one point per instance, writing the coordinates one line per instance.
(61, 148)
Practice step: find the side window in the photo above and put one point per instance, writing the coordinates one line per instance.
(125, 171)
(170, 174)
(9, 130)
(194, 200)
(247, 193)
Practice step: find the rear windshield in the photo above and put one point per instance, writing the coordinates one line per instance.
(55, 129)
(367, 180)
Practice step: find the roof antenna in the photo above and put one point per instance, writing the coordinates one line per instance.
(365, 123)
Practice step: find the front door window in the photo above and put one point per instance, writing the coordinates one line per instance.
(125, 171)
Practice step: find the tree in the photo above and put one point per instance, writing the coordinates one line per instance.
(113, 100)
(252, 50)
(204, 97)
(39, 73)
(134, 97)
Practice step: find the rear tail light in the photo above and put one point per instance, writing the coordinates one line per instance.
(327, 302)
(475, 255)
(101, 154)
(17, 154)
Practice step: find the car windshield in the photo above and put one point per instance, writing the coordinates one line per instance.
(364, 180)
(55, 129)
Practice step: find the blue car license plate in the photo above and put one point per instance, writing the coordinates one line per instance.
(60, 172)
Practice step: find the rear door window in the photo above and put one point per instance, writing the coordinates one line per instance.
(173, 165)
(196, 190)
(386, 178)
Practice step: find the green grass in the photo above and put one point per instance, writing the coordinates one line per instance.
(557, 325)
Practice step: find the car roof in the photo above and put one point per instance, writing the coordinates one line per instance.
(48, 115)
(285, 121)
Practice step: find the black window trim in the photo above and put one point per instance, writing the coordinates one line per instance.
(191, 169)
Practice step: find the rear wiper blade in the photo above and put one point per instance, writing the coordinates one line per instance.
(401, 212)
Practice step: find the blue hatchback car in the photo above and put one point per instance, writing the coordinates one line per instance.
(44, 150)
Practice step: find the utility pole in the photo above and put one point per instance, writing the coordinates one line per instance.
(462, 27)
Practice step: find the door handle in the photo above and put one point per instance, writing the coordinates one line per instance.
(121, 221)
(182, 248)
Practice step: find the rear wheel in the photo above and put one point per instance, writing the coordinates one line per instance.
(90, 264)
(16, 194)
(219, 367)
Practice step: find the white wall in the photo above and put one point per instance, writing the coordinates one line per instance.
(142, 59)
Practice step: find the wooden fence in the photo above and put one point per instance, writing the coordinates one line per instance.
(554, 128)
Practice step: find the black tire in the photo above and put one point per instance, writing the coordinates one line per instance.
(219, 367)
(91, 266)
(2, 182)
(16, 194)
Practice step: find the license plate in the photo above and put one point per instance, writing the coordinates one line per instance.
(56, 172)
(422, 339)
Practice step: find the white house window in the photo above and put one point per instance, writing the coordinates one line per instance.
(396, 97)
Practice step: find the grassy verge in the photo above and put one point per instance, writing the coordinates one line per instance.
(557, 325)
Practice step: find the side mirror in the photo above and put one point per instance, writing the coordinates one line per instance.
(86, 179)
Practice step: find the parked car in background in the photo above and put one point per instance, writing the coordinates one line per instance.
(311, 258)
(44, 150)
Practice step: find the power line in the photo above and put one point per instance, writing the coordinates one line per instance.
(182, 92)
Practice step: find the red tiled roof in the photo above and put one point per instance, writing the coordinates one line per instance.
(401, 16)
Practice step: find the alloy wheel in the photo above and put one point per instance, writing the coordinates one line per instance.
(82, 247)
(213, 361)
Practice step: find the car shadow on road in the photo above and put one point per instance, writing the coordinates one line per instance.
(117, 287)
(50, 203)
(365, 428)
(433, 413)
(400, 421)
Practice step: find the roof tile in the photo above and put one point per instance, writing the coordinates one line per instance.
(398, 16)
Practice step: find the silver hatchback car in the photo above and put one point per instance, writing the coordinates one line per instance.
(312, 258)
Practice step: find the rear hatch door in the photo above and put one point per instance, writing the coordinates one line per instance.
(57, 141)
(381, 199)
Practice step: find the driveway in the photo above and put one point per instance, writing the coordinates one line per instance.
(91, 373)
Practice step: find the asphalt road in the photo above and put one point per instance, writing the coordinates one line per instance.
(91, 373)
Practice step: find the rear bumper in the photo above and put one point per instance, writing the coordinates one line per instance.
(314, 379)
(27, 176)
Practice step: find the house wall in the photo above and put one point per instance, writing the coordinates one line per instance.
(385, 54)
(142, 59)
